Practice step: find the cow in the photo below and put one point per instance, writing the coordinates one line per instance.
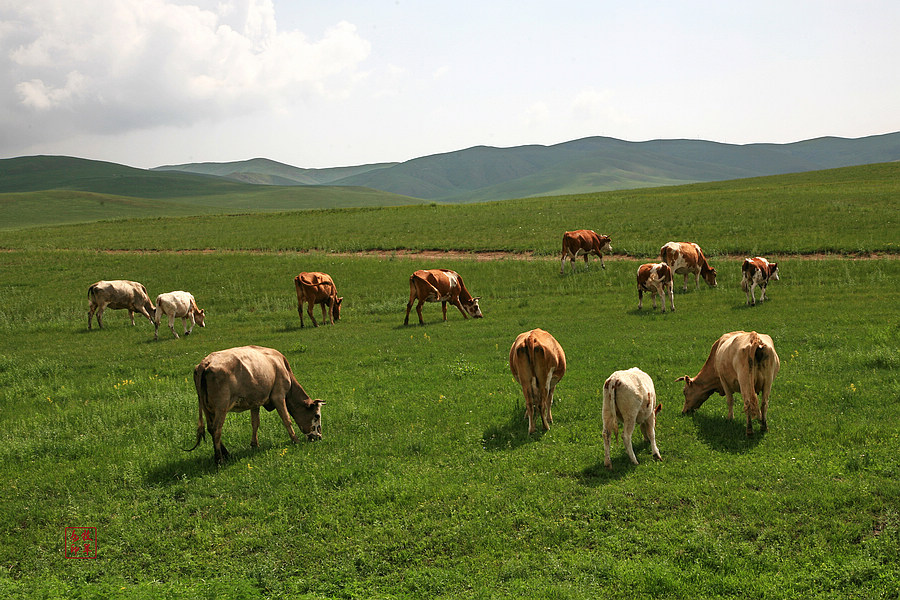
(629, 396)
(757, 271)
(248, 378)
(687, 258)
(655, 278)
(178, 304)
(118, 294)
(739, 361)
(537, 362)
(441, 285)
(317, 288)
(583, 242)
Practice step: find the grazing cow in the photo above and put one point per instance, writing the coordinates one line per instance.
(687, 258)
(757, 271)
(248, 378)
(178, 304)
(538, 362)
(317, 288)
(583, 242)
(629, 396)
(655, 278)
(738, 362)
(118, 294)
(441, 285)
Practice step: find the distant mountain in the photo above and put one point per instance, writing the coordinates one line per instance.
(269, 172)
(586, 165)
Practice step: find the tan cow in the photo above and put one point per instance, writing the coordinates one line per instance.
(629, 396)
(686, 258)
(739, 361)
(317, 288)
(757, 271)
(537, 362)
(441, 285)
(655, 278)
(248, 378)
(118, 294)
(583, 242)
(178, 304)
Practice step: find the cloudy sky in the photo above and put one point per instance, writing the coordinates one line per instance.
(345, 82)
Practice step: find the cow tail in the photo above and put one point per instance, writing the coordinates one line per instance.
(200, 383)
(609, 389)
(745, 280)
(758, 355)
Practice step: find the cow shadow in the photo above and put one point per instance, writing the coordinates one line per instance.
(723, 435)
(200, 463)
(513, 433)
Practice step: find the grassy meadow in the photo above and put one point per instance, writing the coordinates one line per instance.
(426, 483)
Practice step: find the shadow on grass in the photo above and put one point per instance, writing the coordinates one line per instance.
(513, 433)
(200, 462)
(723, 435)
(597, 474)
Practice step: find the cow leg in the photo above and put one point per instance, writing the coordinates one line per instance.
(650, 435)
(172, 325)
(562, 263)
(662, 301)
(444, 309)
(586, 264)
(764, 406)
(671, 288)
(281, 407)
(607, 436)
(627, 430)
(763, 296)
(300, 312)
(601, 261)
(325, 317)
(100, 316)
(640, 298)
(458, 305)
(214, 426)
(91, 310)
(684, 289)
(753, 293)
(254, 426)
(184, 327)
(131, 314)
(155, 330)
(697, 280)
(309, 311)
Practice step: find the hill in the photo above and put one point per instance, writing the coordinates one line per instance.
(586, 165)
(46, 190)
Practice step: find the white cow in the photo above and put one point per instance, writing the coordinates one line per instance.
(178, 304)
(629, 396)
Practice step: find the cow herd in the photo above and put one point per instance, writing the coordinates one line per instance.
(250, 377)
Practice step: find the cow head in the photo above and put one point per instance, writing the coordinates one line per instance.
(200, 317)
(473, 309)
(694, 394)
(605, 245)
(336, 308)
(709, 276)
(773, 271)
(308, 416)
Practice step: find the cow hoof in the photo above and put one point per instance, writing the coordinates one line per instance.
(608, 466)
(657, 457)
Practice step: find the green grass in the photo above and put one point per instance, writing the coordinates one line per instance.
(426, 484)
(838, 211)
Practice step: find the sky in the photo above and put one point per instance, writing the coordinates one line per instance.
(331, 83)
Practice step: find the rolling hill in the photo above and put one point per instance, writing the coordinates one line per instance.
(586, 165)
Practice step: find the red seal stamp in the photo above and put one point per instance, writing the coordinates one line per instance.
(81, 542)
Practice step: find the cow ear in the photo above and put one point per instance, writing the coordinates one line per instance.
(476, 298)
(684, 378)
(658, 408)
(318, 402)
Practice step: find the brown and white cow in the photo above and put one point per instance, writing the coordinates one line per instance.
(118, 294)
(441, 285)
(655, 278)
(317, 288)
(583, 242)
(739, 361)
(248, 378)
(538, 362)
(178, 304)
(686, 258)
(757, 271)
(629, 396)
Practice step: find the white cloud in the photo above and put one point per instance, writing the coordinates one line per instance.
(120, 65)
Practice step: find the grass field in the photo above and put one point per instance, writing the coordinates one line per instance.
(426, 483)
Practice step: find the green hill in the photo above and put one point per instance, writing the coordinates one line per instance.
(270, 172)
(46, 190)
